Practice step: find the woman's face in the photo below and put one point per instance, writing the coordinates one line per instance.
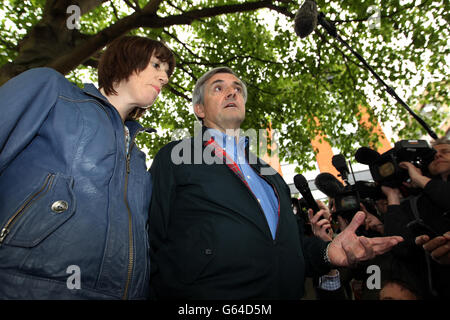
(144, 87)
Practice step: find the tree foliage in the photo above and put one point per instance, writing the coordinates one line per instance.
(301, 86)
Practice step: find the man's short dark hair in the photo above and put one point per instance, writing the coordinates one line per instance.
(439, 141)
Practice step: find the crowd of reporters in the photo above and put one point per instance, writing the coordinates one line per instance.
(415, 205)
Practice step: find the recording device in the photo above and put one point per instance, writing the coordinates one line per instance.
(340, 163)
(418, 228)
(301, 184)
(385, 168)
(348, 198)
(305, 20)
(328, 184)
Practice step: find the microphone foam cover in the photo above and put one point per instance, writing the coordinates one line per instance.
(305, 20)
(328, 184)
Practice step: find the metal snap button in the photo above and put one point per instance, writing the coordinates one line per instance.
(59, 206)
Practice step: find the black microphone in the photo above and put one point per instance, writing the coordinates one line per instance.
(366, 155)
(340, 164)
(305, 20)
(328, 184)
(301, 184)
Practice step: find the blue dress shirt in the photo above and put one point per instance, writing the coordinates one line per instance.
(262, 190)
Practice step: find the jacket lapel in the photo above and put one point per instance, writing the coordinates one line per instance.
(260, 221)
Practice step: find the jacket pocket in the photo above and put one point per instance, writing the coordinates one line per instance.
(195, 253)
(45, 210)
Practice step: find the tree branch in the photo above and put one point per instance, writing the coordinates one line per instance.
(115, 11)
(135, 7)
(146, 18)
(190, 16)
(178, 93)
(404, 8)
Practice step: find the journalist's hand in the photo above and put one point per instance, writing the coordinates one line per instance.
(438, 248)
(393, 195)
(321, 227)
(371, 221)
(347, 248)
(417, 178)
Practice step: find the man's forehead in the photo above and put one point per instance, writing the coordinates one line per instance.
(442, 146)
(223, 77)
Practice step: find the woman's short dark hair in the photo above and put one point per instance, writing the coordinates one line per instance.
(129, 54)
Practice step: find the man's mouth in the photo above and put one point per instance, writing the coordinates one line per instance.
(231, 105)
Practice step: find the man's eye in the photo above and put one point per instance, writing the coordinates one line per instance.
(238, 89)
(218, 89)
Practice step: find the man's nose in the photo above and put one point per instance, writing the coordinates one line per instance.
(230, 93)
(437, 154)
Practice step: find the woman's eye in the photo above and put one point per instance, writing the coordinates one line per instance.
(156, 65)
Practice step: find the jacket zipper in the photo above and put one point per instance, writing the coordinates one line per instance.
(130, 223)
(15, 217)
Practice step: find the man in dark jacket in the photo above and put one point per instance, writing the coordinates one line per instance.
(221, 221)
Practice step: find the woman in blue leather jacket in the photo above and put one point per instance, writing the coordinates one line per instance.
(74, 187)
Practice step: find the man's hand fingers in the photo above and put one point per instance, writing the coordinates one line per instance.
(316, 216)
(382, 245)
(369, 252)
(310, 215)
(349, 251)
(420, 240)
(323, 222)
(440, 251)
(357, 220)
(434, 243)
(321, 205)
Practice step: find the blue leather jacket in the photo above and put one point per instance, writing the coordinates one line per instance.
(73, 204)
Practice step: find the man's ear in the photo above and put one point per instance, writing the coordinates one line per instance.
(199, 111)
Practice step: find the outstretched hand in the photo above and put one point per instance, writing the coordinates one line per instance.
(347, 248)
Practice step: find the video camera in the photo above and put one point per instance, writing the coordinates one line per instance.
(385, 168)
(348, 200)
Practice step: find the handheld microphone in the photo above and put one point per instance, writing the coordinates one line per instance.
(340, 164)
(305, 20)
(328, 184)
(366, 155)
(301, 184)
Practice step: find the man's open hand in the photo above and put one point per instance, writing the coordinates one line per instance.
(347, 248)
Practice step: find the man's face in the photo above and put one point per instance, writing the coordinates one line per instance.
(441, 163)
(223, 107)
(394, 291)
